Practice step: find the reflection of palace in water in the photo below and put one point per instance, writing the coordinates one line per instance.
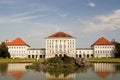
(103, 70)
(16, 70)
(60, 77)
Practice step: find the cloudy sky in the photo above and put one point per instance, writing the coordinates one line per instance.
(33, 20)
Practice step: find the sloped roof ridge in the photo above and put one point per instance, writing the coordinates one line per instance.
(18, 41)
(102, 41)
(60, 34)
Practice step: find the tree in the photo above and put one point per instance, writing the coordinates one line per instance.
(117, 50)
(4, 51)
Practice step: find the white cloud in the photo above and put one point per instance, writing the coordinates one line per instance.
(110, 17)
(103, 22)
(40, 31)
(21, 17)
(29, 12)
(62, 15)
(9, 20)
(91, 4)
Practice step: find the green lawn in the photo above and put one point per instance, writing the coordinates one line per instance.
(23, 60)
(110, 60)
(30, 60)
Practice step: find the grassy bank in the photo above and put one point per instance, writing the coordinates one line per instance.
(30, 60)
(24, 60)
(104, 60)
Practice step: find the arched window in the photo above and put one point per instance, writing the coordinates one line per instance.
(60, 55)
(76, 55)
(80, 56)
(28, 56)
(87, 55)
(40, 56)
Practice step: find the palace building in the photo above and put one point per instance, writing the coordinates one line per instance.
(103, 48)
(18, 48)
(58, 44)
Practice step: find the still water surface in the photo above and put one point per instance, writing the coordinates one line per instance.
(98, 71)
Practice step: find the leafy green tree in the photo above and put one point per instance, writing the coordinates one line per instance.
(4, 51)
(117, 50)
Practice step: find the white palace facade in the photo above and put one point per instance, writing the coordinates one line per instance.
(58, 44)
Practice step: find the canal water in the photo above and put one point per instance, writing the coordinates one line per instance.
(97, 71)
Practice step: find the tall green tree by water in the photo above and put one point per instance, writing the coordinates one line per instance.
(117, 50)
(4, 51)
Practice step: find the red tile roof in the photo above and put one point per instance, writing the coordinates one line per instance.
(102, 41)
(60, 34)
(17, 42)
(103, 74)
(16, 74)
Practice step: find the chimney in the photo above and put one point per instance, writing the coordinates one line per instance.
(113, 40)
(6, 41)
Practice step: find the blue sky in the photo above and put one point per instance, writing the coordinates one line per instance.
(33, 20)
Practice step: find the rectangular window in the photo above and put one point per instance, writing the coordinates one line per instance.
(64, 46)
(80, 51)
